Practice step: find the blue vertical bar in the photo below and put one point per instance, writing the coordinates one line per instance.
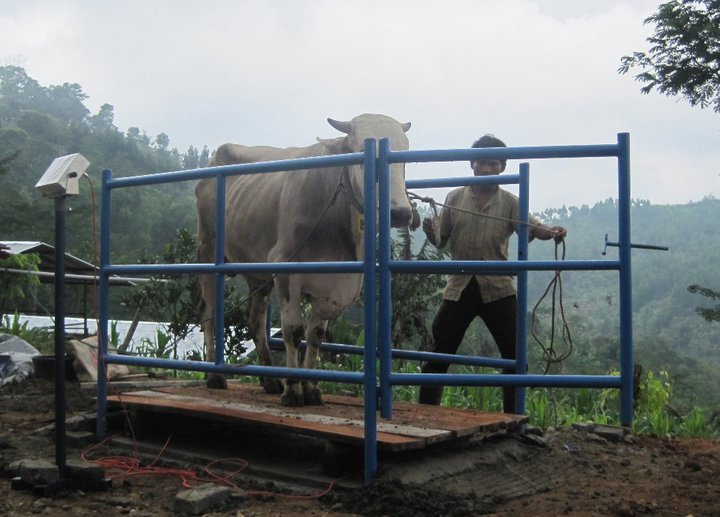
(370, 300)
(103, 302)
(219, 277)
(385, 294)
(522, 285)
(626, 347)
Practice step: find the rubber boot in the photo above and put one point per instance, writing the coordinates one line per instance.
(509, 400)
(431, 395)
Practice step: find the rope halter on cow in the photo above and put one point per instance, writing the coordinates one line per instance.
(346, 183)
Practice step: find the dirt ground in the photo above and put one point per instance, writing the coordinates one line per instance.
(572, 472)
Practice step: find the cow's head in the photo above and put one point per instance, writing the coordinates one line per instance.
(380, 126)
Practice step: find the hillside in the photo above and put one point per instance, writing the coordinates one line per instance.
(38, 123)
(669, 334)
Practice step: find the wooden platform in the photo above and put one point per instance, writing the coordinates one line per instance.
(340, 419)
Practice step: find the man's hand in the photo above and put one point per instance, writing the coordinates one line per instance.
(545, 233)
(429, 229)
(559, 234)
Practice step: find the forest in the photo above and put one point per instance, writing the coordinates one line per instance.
(39, 123)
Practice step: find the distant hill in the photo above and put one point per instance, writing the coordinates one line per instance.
(38, 123)
(668, 332)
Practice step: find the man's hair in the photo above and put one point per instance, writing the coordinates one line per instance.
(489, 140)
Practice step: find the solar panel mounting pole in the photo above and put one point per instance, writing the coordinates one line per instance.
(60, 181)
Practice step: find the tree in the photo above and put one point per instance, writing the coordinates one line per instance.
(684, 58)
(709, 314)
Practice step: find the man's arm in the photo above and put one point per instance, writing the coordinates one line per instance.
(545, 232)
(433, 228)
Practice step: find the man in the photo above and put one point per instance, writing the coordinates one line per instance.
(478, 221)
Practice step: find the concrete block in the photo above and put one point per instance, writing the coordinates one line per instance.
(39, 472)
(79, 438)
(611, 433)
(81, 470)
(198, 500)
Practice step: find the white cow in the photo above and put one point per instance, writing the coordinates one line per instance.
(296, 216)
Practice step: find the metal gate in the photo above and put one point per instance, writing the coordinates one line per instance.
(377, 268)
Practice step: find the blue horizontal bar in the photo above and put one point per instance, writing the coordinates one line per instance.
(499, 266)
(467, 360)
(460, 181)
(237, 169)
(529, 380)
(397, 266)
(505, 153)
(257, 370)
(236, 267)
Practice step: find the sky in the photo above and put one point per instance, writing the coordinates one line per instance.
(257, 72)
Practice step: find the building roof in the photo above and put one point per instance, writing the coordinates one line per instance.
(77, 271)
(73, 265)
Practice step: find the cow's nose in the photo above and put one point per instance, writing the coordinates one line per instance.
(400, 217)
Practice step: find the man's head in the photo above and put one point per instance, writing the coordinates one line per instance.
(489, 166)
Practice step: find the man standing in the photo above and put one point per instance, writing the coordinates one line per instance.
(479, 229)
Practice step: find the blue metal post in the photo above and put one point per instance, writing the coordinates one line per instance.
(626, 347)
(385, 294)
(522, 285)
(219, 276)
(370, 301)
(102, 390)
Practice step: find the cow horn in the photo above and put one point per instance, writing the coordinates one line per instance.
(406, 126)
(343, 127)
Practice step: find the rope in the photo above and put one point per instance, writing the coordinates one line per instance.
(435, 204)
(550, 355)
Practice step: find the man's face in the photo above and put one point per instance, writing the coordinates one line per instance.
(487, 167)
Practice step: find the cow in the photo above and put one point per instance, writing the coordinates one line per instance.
(312, 215)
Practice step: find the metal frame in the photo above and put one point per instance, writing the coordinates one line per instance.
(377, 268)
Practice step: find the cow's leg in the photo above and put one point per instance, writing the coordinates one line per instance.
(260, 290)
(292, 331)
(205, 192)
(207, 288)
(314, 336)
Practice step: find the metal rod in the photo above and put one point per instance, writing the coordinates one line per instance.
(640, 246)
(385, 291)
(370, 313)
(103, 316)
(60, 436)
(626, 338)
(219, 277)
(522, 285)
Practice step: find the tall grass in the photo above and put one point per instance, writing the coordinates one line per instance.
(560, 407)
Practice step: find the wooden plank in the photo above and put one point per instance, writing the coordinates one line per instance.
(461, 422)
(335, 431)
(307, 416)
(341, 418)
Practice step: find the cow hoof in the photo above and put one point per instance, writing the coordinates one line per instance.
(291, 399)
(312, 394)
(273, 386)
(293, 394)
(216, 382)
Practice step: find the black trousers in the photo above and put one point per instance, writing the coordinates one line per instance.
(449, 327)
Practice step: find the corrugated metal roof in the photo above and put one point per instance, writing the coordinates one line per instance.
(73, 265)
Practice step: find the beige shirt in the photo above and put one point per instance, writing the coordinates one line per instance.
(474, 237)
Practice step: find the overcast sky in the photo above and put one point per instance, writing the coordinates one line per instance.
(540, 72)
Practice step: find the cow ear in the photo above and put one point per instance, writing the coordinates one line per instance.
(333, 145)
(343, 127)
(406, 126)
